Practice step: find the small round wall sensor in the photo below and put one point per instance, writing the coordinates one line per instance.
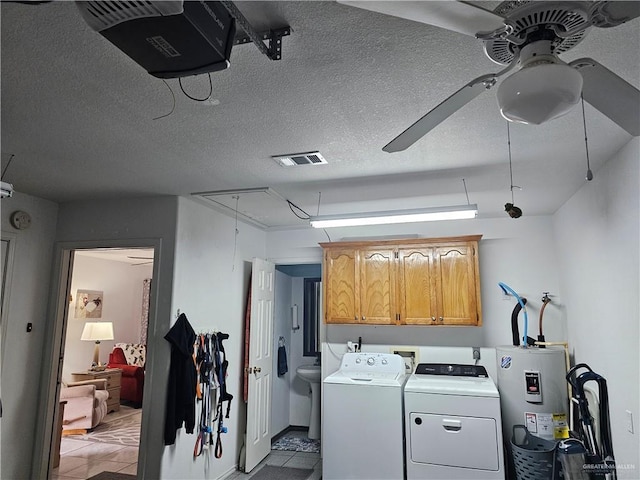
(20, 220)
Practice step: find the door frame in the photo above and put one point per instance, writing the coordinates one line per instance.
(53, 350)
(7, 274)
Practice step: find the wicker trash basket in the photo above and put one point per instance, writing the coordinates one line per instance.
(534, 457)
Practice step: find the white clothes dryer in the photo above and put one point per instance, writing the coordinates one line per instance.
(453, 424)
(362, 419)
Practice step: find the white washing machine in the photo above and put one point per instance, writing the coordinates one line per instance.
(362, 418)
(453, 424)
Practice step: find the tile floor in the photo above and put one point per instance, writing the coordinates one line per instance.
(80, 459)
(282, 458)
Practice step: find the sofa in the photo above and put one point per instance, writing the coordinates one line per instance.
(86, 404)
(130, 359)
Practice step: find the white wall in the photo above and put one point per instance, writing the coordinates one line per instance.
(123, 222)
(210, 287)
(519, 252)
(300, 396)
(121, 284)
(281, 328)
(598, 240)
(22, 352)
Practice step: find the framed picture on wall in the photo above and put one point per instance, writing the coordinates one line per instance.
(89, 304)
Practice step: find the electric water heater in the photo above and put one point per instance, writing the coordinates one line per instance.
(533, 391)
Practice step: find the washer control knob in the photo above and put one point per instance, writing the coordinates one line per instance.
(384, 361)
(358, 360)
(371, 361)
(450, 368)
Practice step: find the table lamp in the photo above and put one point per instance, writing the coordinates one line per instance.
(95, 332)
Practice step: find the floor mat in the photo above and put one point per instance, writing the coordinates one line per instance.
(112, 476)
(292, 442)
(269, 472)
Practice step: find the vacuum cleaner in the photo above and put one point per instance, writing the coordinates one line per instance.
(587, 457)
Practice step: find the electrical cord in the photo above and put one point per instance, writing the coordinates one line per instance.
(174, 102)
(7, 165)
(194, 98)
(293, 207)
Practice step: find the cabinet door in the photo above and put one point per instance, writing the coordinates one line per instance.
(456, 286)
(417, 286)
(378, 294)
(340, 268)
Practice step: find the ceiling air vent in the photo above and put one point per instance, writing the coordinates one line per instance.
(299, 159)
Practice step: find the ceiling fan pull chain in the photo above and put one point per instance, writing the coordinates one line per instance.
(589, 176)
(510, 167)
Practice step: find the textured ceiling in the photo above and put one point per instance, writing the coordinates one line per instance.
(80, 116)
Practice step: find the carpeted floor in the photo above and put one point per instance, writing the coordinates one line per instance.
(296, 442)
(112, 476)
(269, 472)
(121, 430)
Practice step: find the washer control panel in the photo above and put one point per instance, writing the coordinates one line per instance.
(451, 369)
(372, 362)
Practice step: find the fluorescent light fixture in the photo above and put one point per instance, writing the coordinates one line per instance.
(396, 216)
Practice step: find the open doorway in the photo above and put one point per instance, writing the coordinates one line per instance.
(296, 329)
(102, 363)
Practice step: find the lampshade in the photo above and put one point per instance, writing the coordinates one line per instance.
(94, 332)
(539, 93)
(395, 216)
(97, 331)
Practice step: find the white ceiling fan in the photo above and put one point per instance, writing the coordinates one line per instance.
(526, 37)
(147, 260)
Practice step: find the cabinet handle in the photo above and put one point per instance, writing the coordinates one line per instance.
(364, 318)
(433, 319)
(355, 317)
(441, 319)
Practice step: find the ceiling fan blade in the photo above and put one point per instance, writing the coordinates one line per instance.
(611, 14)
(440, 113)
(459, 17)
(613, 96)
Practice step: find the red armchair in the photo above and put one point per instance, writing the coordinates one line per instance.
(132, 383)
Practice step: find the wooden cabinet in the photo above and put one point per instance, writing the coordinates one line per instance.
(342, 285)
(113, 377)
(404, 282)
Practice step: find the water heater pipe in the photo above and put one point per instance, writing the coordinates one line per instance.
(545, 301)
(508, 290)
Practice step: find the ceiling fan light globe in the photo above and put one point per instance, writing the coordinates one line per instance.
(539, 93)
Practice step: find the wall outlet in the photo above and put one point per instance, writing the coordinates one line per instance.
(409, 355)
(476, 353)
(629, 421)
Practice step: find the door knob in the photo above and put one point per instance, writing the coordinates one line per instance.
(257, 369)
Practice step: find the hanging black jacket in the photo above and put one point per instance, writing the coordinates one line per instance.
(181, 388)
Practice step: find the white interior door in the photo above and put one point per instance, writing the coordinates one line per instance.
(258, 442)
